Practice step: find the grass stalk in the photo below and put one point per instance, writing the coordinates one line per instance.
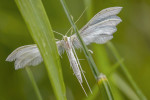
(85, 49)
(36, 89)
(123, 67)
(114, 67)
(40, 29)
(91, 62)
(124, 87)
(104, 82)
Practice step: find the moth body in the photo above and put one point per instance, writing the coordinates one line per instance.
(72, 58)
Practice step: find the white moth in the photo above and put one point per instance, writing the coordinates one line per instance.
(98, 30)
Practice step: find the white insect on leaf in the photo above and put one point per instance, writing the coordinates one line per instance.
(98, 30)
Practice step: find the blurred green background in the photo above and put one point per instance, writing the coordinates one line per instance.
(132, 40)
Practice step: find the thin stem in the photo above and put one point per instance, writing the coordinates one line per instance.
(91, 62)
(123, 67)
(124, 87)
(115, 67)
(104, 81)
(87, 54)
(36, 89)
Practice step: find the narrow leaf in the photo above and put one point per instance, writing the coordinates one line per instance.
(123, 67)
(39, 26)
(36, 89)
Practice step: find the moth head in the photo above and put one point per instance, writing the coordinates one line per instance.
(65, 38)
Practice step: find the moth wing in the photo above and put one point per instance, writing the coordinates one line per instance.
(60, 47)
(28, 55)
(102, 15)
(100, 28)
(25, 56)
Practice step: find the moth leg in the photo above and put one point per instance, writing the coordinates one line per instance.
(90, 51)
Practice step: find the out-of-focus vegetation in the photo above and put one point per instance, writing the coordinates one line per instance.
(131, 41)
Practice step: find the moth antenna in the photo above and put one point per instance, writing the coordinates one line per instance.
(77, 20)
(81, 15)
(81, 69)
(58, 33)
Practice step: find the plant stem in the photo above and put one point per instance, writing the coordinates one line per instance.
(85, 49)
(124, 87)
(123, 67)
(104, 81)
(36, 89)
(91, 62)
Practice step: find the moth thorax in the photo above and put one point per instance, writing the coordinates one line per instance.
(67, 41)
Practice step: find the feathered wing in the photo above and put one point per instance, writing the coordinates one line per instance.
(60, 47)
(100, 28)
(29, 55)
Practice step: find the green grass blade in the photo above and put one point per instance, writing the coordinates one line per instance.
(123, 67)
(40, 29)
(124, 87)
(103, 63)
(89, 4)
(103, 84)
(91, 62)
(36, 89)
(115, 67)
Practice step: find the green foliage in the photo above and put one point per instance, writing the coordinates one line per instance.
(131, 42)
(127, 74)
(37, 21)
